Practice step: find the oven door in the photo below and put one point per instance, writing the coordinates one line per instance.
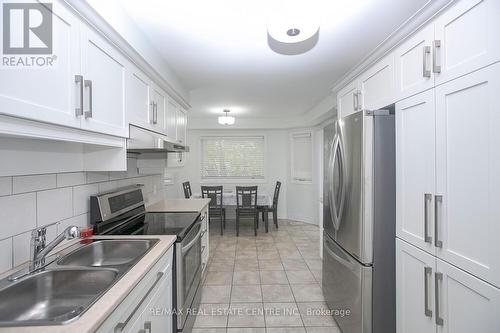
(188, 270)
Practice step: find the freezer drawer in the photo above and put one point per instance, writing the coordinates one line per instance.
(347, 287)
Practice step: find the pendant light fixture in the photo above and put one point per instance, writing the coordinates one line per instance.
(226, 120)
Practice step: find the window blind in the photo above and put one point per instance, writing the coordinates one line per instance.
(301, 157)
(232, 157)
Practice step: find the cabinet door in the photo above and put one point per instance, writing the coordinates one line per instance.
(468, 177)
(466, 304)
(49, 94)
(413, 61)
(348, 100)
(415, 169)
(414, 289)
(159, 110)
(181, 125)
(172, 119)
(104, 68)
(469, 33)
(377, 84)
(157, 316)
(137, 99)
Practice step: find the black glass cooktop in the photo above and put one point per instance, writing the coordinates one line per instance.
(157, 224)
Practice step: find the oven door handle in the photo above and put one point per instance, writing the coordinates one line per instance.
(191, 243)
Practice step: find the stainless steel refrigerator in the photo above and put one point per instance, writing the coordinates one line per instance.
(359, 222)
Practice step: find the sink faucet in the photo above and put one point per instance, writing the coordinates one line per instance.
(39, 248)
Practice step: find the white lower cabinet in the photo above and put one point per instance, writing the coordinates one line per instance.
(434, 296)
(147, 307)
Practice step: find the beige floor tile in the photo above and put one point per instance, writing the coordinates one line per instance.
(282, 315)
(209, 330)
(218, 278)
(270, 265)
(212, 315)
(215, 294)
(286, 330)
(294, 265)
(246, 277)
(323, 330)
(314, 264)
(316, 314)
(246, 330)
(220, 267)
(307, 292)
(246, 294)
(300, 277)
(277, 293)
(246, 315)
(273, 277)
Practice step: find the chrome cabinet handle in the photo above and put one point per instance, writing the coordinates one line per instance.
(79, 109)
(152, 104)
(427, 272)
(438, 200)
(427, 237)
(156, 112)
(358, 97)
(88, 84)
(436, 67)
(438, 277)
(426, 72)
(354, 102)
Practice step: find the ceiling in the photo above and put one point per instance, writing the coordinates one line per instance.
(220, 52)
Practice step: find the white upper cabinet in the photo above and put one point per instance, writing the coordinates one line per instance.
(414, 290)
(468, 37)
(464, 303)
(415, 170)
(377, 84)
(181, 125)
(349, 100)
(171, 119)
(137, 104)
(468, 177)
(48, 94)
(413, 64)
(103, 69)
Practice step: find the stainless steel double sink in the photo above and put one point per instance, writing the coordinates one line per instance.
(64, 289)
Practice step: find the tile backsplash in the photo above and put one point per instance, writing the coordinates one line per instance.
(57, 201)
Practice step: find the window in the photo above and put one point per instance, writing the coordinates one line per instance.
(301, 157)
(232, 157)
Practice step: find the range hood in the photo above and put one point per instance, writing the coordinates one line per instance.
(145, 141)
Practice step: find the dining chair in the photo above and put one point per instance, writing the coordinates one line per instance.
(187, 190)
(246, 205)
(273, 208)
(216, 206)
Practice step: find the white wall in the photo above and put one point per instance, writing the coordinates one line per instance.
(276, 161)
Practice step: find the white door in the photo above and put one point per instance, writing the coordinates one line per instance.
(414, 289)
(157, 314)
(181, 125)
(49, 93)
(468, 177)
(377, 84)
(469, 33)
(171, 119)
(137, 98)
(413, 64)
(104, 96)
(348, 100)
(415, 170)
(159, 110)
(466, 304)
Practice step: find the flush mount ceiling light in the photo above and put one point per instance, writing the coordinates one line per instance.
(293, 31)
(226, 120)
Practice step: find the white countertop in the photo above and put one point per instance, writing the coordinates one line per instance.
(179, 205)
(106, 304)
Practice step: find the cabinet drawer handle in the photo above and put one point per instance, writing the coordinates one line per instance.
(437, 278)
(120, 326)
(88, 84)
(79, 82)
(426, 72)
(438, 200)
(427, 237)
(427, 273)
(436, 67)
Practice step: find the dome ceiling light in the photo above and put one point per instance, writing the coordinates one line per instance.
(226, 120)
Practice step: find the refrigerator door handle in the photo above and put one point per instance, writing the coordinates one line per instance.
(337, 257)
(333, 203)
(343, 180)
